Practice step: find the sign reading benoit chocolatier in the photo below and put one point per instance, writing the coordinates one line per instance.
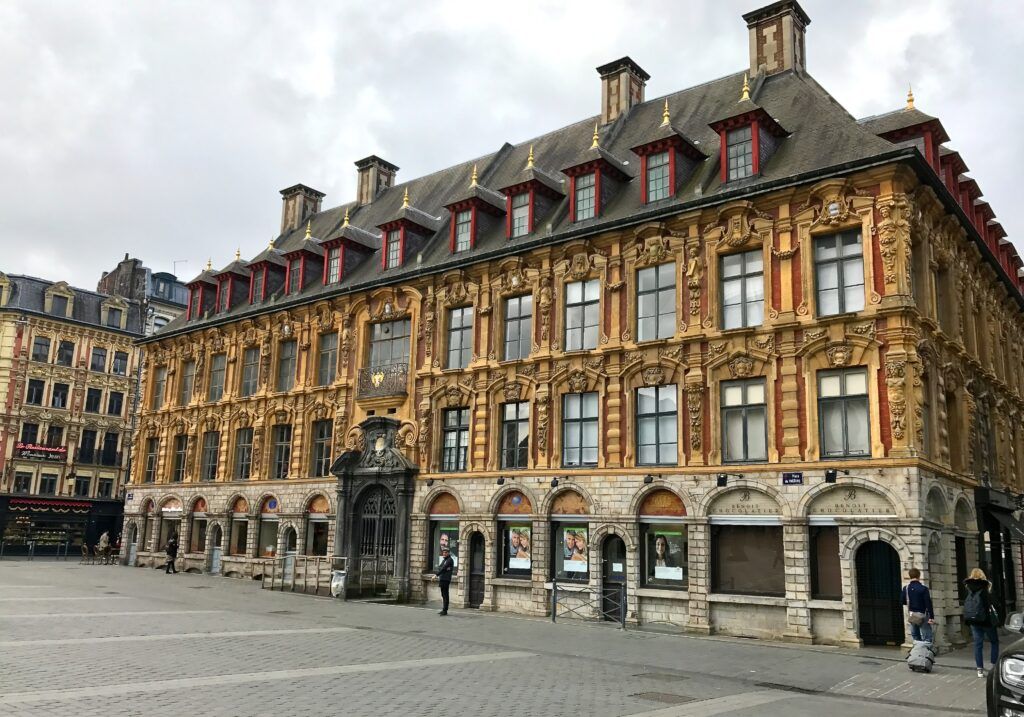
(850, 500)
(743, 501)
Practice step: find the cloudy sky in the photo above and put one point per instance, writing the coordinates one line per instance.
(166, 129)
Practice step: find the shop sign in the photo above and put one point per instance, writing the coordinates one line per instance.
(792, 479)
(744, 502)
(36, 452)
(850, 500)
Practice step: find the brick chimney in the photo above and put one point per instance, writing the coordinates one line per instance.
(300, 202)
(375, 175)
(622, 86)
(777, 37)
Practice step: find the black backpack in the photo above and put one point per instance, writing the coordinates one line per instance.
(975, 612)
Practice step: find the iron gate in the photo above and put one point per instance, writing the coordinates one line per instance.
(376, 541)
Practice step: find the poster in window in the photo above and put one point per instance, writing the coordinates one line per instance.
(667, 555)
(574, 550)
(448, 537)
(519, 547)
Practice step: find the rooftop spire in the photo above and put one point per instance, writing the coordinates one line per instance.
(309, 228)
(529, 159)
(238, 253)
(595, 143)
(472, 180)
(271, 244)
(209, 264)
(910, 98)
(746, 88)
(405, 198)
(665, 119)
(344, 221)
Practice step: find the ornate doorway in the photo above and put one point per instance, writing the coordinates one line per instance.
(376, 540)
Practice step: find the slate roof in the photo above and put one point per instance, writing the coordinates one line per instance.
(901, 119)
(822, 136)
(28, 296)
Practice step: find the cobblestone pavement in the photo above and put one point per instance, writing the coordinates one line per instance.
(89, 640)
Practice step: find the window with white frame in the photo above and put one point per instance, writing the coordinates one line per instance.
(744, 421)
(243, 453)
(656, 302)
(389, 343)
(739, 148)
(460, 337)
(520, 214)
(579, 429)
(518, 327)
(463, 230)
(393, 257)
(656, 425)
(742, 289)
(658, 176)
(180, 454)
(211, 455)
(322, 433)
(586, 197)
(582, 301)
(327, 359)
(334, 265)
(843, 413)
(515, 434)
(217, 369)
(294, 276)
(282, 452)
(455, 439)
(839, 273)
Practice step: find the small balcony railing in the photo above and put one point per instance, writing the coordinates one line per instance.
(377, 381)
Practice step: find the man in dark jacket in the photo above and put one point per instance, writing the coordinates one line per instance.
(172, 554)
(919, 606)
(444, 578)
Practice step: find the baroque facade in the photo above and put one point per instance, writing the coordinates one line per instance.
(68, 366)
(730, 351)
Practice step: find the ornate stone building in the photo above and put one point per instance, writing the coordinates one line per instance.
(67, 377)
(731, 348)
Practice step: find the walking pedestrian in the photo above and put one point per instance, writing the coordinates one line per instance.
(918, 600)
(981, 615)
(172, 554)
(443, 575)
(104, 546)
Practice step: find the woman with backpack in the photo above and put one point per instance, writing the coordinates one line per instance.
(981, 615)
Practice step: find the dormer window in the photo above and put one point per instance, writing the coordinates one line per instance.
(294, 276)
(256, 286)
(393, 249)
(114, 318)
(520, 214)
(59, 305)
(740, 152)
(224, 295)
(193, 308)
(658, 176)
(463, 231)
(585, 197)
(333, 271)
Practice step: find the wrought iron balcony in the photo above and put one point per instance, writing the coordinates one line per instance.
(378, 381)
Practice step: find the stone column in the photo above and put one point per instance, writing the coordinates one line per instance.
(698, 618)
(796, 548)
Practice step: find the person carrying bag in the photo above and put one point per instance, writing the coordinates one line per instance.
(982, 616)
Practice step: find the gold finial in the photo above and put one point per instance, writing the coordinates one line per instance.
(664, 115)
(405, 198)
(238, 253)
(910, 98)
(209, 264)
(270, 246)
(529, 159)
(746, 88)
(309, 228)
(472, 180)
(344, 222)
(594, 144)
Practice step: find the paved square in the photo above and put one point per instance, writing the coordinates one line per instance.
(110, 640)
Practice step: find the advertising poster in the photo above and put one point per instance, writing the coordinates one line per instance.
(448, 537)
(519, 547)
(574, 547)
(667, 555)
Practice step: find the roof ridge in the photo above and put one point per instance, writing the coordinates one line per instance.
(76, 289)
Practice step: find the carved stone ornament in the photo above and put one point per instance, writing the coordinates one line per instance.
(839, 354)
(579, 266)
(544, 301)
(832, 202)
(423, 414)
(653, 375)
(355, 440)
(456, 293)
(694, 403)
(512, 391)
(893, 234)
(741, 367)
(543, 420)
(388, 309)
(324, 318)
(512, 280)
(652, 250)
(453, 396)
(895, 374)
(578, 381)
(694, 268)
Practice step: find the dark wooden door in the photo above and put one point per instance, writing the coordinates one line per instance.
(878, 594)
(613, 578)
(476, 570)
(376, 541)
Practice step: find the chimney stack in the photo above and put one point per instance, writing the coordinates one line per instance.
(777, 37)
(622, 86)
(300, 202)
(375, 175)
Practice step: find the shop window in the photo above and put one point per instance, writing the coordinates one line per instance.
(570, 542)
(460, 337)
(317, 531)
(582, 299)
(119, 366)
(197, 539)
(243, 453)
(268, 537)
(217, 370)
(656, 303)
(239, 536)
(579, 429)
(744, 421)
(444, 534)
(516, 550)
(839, 273)
(656, 431)
(742, 289)
(322, 432)
(115, 403)
(159, 386)
(41, 349)
(666, 554)
(211, 455)
(286, 365)
(36, 388)
(48, 484)
(455, 439)
(843, 413)
(59, 399)
(169, 527)
(188, 379)
(747, 560)
(826, 578)
(518, 327)
(250, 371)
(98, 360)
(327, 359)
(180, 452)
(515, 434)
(282, 452)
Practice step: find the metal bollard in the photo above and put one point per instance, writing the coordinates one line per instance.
(554, 599)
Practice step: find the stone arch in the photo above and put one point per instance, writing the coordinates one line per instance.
(360, 497)
(147, 506)
(785, 509)
(264, 502)
(564, 488)
(171, 501)
(936, 509)
(232, 502)
(890, 497)
(963, 514)
(133, 531)
(857, 538)
(466, 531)
(499, 496)
(659, 484)
(198, 504)
(433, 493)
(313, 495)
(603, 530)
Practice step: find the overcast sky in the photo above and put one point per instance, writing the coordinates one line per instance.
(166, 129)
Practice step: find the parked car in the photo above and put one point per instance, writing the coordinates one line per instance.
(1005, 684)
